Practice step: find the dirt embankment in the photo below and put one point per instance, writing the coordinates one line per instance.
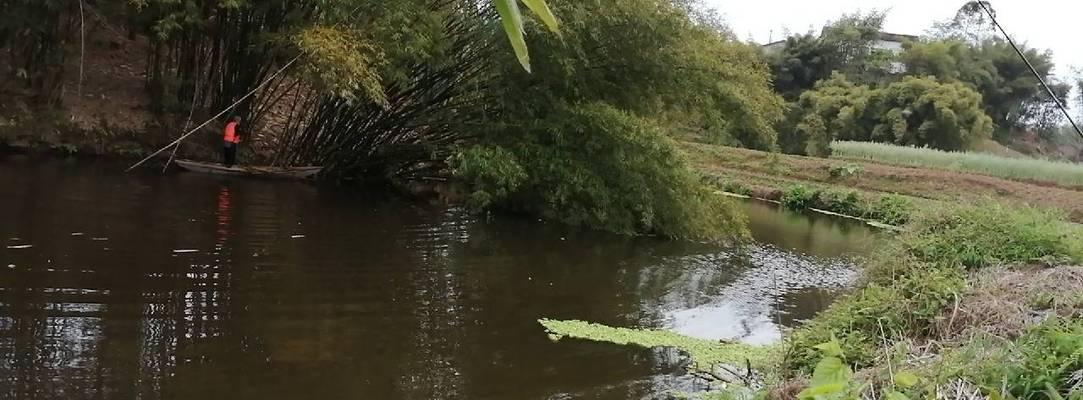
(105, 109)
(765, 172)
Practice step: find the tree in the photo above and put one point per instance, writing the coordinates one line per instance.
(653, 58)
(594, 165)
(801, 63)
(845, 46)
(588, 132)
(1011, 95)
(911, 112)
(33, 32)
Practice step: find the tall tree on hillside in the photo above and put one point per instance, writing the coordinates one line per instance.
(844, 45)
(970, 25)
(1010, 93)
(911, 112)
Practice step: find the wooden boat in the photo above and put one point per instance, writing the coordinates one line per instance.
(248, 170)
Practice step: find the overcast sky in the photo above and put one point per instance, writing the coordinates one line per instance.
(1056, 25)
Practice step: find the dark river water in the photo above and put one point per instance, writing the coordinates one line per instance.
(186, 286)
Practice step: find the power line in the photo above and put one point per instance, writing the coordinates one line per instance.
(988, 10)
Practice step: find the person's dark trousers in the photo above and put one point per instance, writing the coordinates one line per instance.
(229, 153)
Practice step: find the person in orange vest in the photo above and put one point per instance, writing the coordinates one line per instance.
(231, 137)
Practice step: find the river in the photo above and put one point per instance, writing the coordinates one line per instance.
(185, 286)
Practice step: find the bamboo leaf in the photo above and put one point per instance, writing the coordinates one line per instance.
(540, 8)
(512, 20)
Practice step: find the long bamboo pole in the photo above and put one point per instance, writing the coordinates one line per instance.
(223, 112)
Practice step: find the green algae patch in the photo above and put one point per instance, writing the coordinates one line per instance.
(705, 353)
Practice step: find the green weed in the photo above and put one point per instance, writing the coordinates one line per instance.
(844, 170)
(799, 197)
(1041, 365)
(989, 233)
(889, 209)
(910, 284)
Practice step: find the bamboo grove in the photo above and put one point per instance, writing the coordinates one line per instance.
(582, 131)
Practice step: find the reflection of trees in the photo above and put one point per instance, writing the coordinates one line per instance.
(807, 232)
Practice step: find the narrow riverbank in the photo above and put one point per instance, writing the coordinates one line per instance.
(980, 299)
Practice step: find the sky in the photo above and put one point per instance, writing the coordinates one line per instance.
(1045, 24)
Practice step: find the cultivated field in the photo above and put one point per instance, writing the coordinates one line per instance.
(766, 172)
(1021, 169)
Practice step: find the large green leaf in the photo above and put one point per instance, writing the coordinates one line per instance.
(512, 20)
(822, 391)
(830, 371)
(831, 349)
(540, 8)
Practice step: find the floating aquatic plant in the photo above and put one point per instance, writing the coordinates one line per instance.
(706, 354)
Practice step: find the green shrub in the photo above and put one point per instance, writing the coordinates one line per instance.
(844, 170)
(491, 172)
(798, 197)
(596, 166)
(888, 309)
(843, 203)
(737, 187)
(1041, 365)
(988, 233)
(890, 209)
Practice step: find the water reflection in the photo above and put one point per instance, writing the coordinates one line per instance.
(228, 289)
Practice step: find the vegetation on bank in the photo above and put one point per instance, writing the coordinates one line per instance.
(770, 175)
(890, 209)
(429, 89)
(912, 112)
(1025, 169)
(931, 310)
(586, 139)
(958, 83)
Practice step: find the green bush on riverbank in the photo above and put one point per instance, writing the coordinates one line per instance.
(596, 166)
(889, 209)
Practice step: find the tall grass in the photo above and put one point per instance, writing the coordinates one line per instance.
(1063, 173)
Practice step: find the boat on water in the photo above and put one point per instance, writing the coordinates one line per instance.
(249, 170)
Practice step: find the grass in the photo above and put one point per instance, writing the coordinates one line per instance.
(912, 282)
(887, 209)
(1062, 173)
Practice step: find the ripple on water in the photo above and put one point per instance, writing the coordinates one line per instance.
(757, 301)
